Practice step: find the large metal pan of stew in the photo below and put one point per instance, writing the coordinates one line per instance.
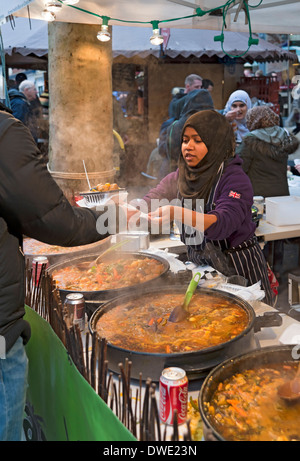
(136, 327)
(108, 278)
(238, 400)
(56, 254)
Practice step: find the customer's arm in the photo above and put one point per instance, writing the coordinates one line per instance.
(31, 201)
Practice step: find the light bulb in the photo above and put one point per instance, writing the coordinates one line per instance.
(48, 15)
(103, 35)
(156, 38)
(70, 2)
(53, 7)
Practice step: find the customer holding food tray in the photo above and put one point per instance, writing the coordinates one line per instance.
(210, 173)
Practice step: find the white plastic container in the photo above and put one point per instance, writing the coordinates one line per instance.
(283, 211)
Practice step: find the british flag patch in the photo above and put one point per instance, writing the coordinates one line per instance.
(234, 194)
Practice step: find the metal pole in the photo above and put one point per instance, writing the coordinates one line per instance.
(289, 80)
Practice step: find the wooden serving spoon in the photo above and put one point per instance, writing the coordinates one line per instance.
(290, 391)
(180, 312)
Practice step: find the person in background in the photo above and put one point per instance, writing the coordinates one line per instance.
(176, 93)
(296, 112)
(235, 111)
(19, 105)
(191, 83)
(20, 77)
(35, 115)
(207, 84)
(248, 70)
(259, 73)
(295, 169)
(264, 151)
(31, 204)
(210, 171)
(195, 101)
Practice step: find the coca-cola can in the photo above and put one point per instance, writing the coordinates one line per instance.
(173, 395)
(74, 307)
(38, 263)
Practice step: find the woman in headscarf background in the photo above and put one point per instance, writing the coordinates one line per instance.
(236, 110)
(265, 150)
(214, 199)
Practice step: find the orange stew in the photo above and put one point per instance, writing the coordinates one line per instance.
(246, 406)
(142, 323)
(119, 273)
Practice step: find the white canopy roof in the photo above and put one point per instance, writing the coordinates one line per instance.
(267, 16)
(31, 37)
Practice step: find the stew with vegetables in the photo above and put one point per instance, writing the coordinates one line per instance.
(35, 247)
(246, 406)
(109, 275)
(142, 324)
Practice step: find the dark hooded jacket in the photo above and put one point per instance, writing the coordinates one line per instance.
(195, 101)
(19, 105)
(265, 154)
(32, 204)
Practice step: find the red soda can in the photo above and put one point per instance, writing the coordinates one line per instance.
(173, 395)
(74, 306)
(38, 263)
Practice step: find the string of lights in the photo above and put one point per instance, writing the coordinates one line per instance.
(156, 39)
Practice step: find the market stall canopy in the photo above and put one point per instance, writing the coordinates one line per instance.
(128, 42)
(267, 16)
(25, 41)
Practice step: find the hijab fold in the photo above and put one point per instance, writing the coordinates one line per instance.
(217, 134)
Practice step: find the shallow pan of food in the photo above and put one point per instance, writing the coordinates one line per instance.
(136, 327)
(114, 275)
(239, 399)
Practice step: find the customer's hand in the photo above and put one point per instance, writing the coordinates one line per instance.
(162, 215)
(132, 215)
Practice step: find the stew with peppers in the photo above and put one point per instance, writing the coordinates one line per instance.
(246, 406)
(109, 275)
(142, 324)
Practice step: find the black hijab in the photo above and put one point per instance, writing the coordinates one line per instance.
(218, 136)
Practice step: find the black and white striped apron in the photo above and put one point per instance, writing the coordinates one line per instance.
(246, 259)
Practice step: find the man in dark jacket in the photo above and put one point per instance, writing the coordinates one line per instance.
(192, 82)
(31, 204)
(195, 101)
(19, 105)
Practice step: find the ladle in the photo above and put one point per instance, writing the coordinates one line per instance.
(290, 391)
(180, 312)
(88, 264)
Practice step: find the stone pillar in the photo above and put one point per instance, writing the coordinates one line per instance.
(81, 117)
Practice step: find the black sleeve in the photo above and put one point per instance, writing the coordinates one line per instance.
(31, 201)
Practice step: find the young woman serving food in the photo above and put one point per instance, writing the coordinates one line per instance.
(214, 199)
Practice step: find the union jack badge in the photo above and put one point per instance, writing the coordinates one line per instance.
(234, 194)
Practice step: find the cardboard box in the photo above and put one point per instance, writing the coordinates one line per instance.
(283, 211)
